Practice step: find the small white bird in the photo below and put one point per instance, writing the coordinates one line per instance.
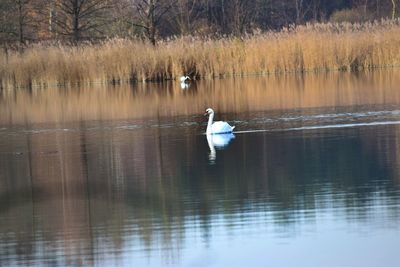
(218, 127)
(184, 78)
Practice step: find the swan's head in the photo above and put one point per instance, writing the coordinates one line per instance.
(209, 111)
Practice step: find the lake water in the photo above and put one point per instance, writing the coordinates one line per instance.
(124, 176)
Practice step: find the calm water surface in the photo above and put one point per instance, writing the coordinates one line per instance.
(123, 176)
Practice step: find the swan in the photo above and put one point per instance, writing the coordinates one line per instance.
(218, 127)
(184, 78)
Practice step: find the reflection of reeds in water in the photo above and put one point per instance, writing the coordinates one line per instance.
(318, 47)
(228, 95)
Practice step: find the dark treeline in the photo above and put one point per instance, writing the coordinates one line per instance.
(26, 21)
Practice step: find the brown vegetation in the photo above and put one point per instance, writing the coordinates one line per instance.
(310, 48)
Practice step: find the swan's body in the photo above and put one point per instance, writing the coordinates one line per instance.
(184, 78)
(218, 127)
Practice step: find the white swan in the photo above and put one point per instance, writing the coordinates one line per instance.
(184, 78)
(218, 127)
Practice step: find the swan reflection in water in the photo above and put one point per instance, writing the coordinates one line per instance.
(185, 85)
(218, 141)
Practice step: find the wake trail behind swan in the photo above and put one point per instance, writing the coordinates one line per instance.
(316, 127)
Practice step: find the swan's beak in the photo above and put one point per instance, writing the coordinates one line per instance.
(205, 114)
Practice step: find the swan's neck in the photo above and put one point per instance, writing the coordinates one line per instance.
(210, 121)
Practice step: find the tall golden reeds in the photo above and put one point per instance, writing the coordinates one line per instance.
(309, 48)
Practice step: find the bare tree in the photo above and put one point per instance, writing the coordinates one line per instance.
(22, 12)
(81, 18)
(17, 17)
(5, 24)
(237, 16)
(233, 16)
(188, 15)
(148, 14)
(23, 20)
(302, 7)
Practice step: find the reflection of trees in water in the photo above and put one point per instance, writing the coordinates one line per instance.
(84, 191)
(226, 95)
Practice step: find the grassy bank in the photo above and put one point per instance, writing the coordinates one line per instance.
(311, 48)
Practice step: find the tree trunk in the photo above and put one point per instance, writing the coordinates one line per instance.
(315, 11)
(51, 18)
(223, 12)
(152, 26)
(393, 8)
(21, 37)
(365, 8)
(299, 10)
(152, 35)
(378, 9)
(75, 29)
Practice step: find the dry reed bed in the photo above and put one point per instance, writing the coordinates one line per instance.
(314, 47)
